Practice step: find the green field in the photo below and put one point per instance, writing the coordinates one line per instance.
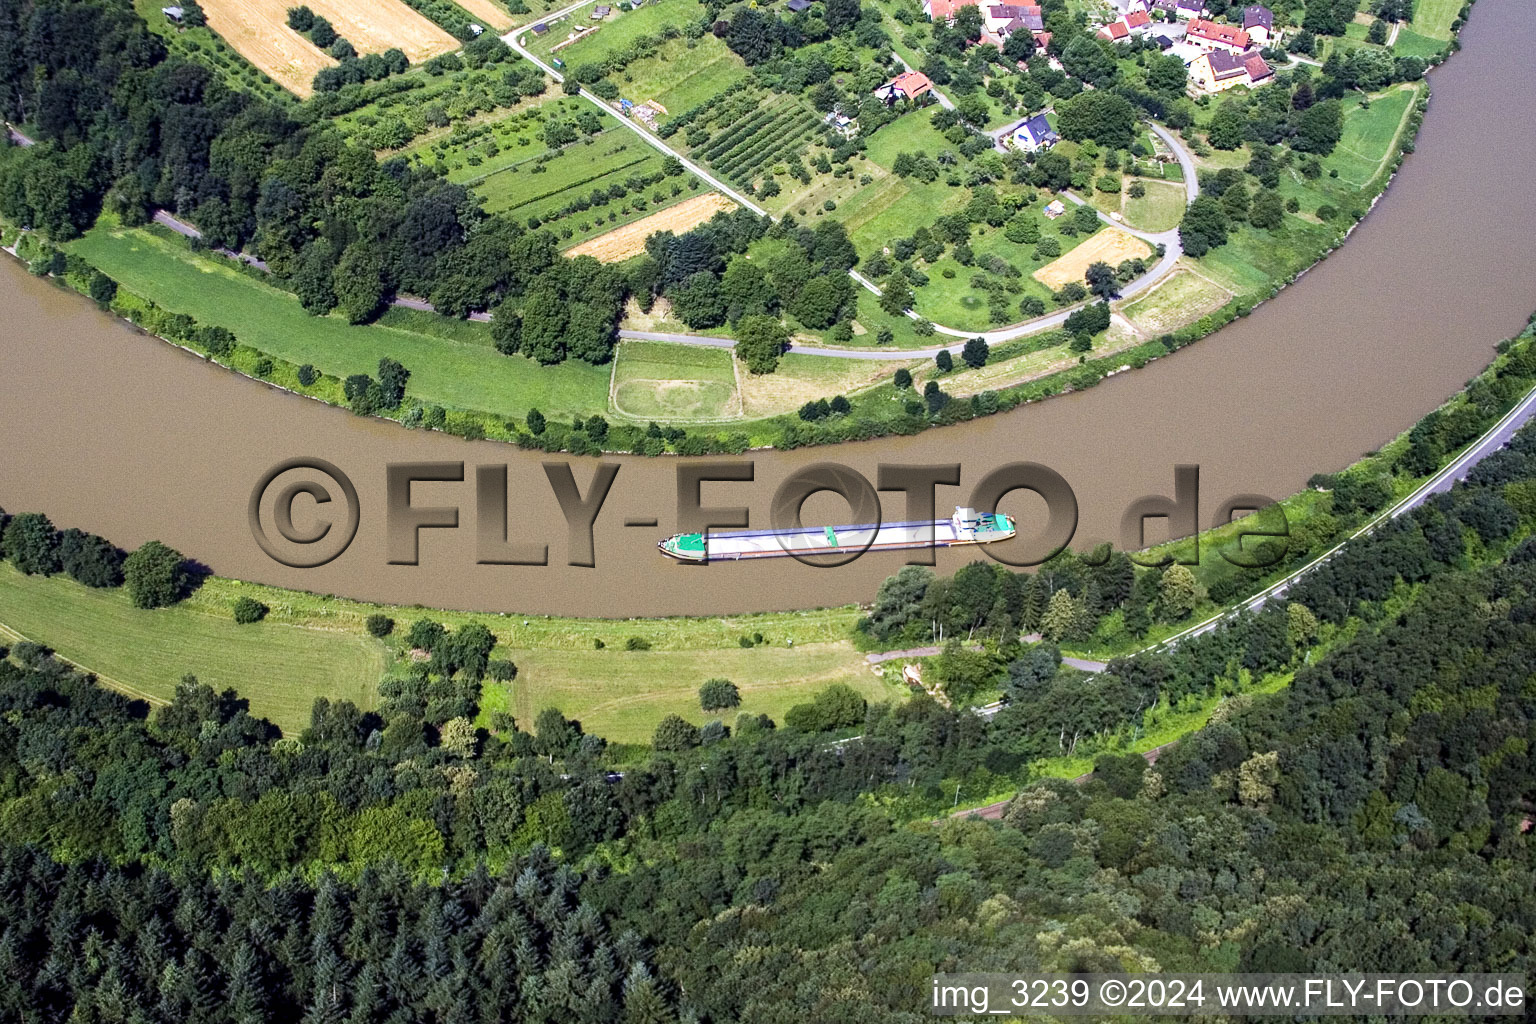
(281, 668)
(1412, 44)
(1433, 17)
(614, 33)
(456, 368)
(1159, 210)
(1368, 133)
(654, 380)
(621, 695)
(315, 646)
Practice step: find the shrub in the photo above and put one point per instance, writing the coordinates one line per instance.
(307, 375)
(718, 694)
(637, 643)
(248, 610)
(379, 625)
(502, 671)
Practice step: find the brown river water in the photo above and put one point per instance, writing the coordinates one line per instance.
(123, 435)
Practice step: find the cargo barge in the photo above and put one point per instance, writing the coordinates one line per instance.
(966, 526)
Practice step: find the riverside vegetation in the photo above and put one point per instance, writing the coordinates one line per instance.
(1311, 150)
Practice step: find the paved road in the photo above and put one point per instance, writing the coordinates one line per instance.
(181, 227)
(1496, 437)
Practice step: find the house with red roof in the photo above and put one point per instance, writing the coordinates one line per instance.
(1209, 35)
(945, 10)
(909, 85)
(1138, 22)
(1115, 31)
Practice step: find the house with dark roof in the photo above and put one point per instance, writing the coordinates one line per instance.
(1259, 23)
(1220, 70)
(601, 11)
(1035, 134)
(799, 5)
(1181, 9)
(1163, 42)
(1002, 20)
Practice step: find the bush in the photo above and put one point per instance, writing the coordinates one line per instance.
(156, 575)
(248, 610)
(502, 671)
(637, 643)
(307, 375)
(674, 733)
(718, 694)
(379, 625)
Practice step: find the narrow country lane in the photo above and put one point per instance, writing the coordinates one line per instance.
(1169, 240)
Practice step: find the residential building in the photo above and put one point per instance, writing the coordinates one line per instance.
(1115, 31)
(1220, 70)
(1002, 20)
(1259, 23)
(945, 10)
(1208, 35)
(1139, 22)
(908, 85)
(1180, 9)
(1035, 134)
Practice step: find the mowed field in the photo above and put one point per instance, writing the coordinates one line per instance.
(622, 695)
(1181, 298)
(622, 243)
(1433, 17)
(258, 30)
(1159, 210)
(1362, 151)
(453, 363)
(374, 26)
(657, 381)
(1109, 245)
(281, 668)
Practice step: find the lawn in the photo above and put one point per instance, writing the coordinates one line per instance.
(1159, 210)
(658, 381)
(1362, 153)
(617, 31)
(1433, 17)
(280, 667)
(453, 366)
(622, 695)
(800, 379)
(1412, 44)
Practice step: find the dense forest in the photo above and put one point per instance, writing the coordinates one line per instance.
(1372, 815)
(124, 126)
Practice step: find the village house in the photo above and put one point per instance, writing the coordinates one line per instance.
(1002, 20)
(1035, 134)
(1259, 23)
(1208, 35)
(1115, 31)
(908, 85)
(945, 10)
(1183, 10)
(1139, 22)
(1221, 70)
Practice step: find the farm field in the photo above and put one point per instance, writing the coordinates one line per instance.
(1181, 298)
(1159, 210)
(374, 26)
(800, 379)
(280, 667)
(450, 371)
(750, 133)
(682, 74)
(639, 688)
(488, 13)
(659, 381)
(203, 45)
(622, 243)
(1108, 245)
(258, 30)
